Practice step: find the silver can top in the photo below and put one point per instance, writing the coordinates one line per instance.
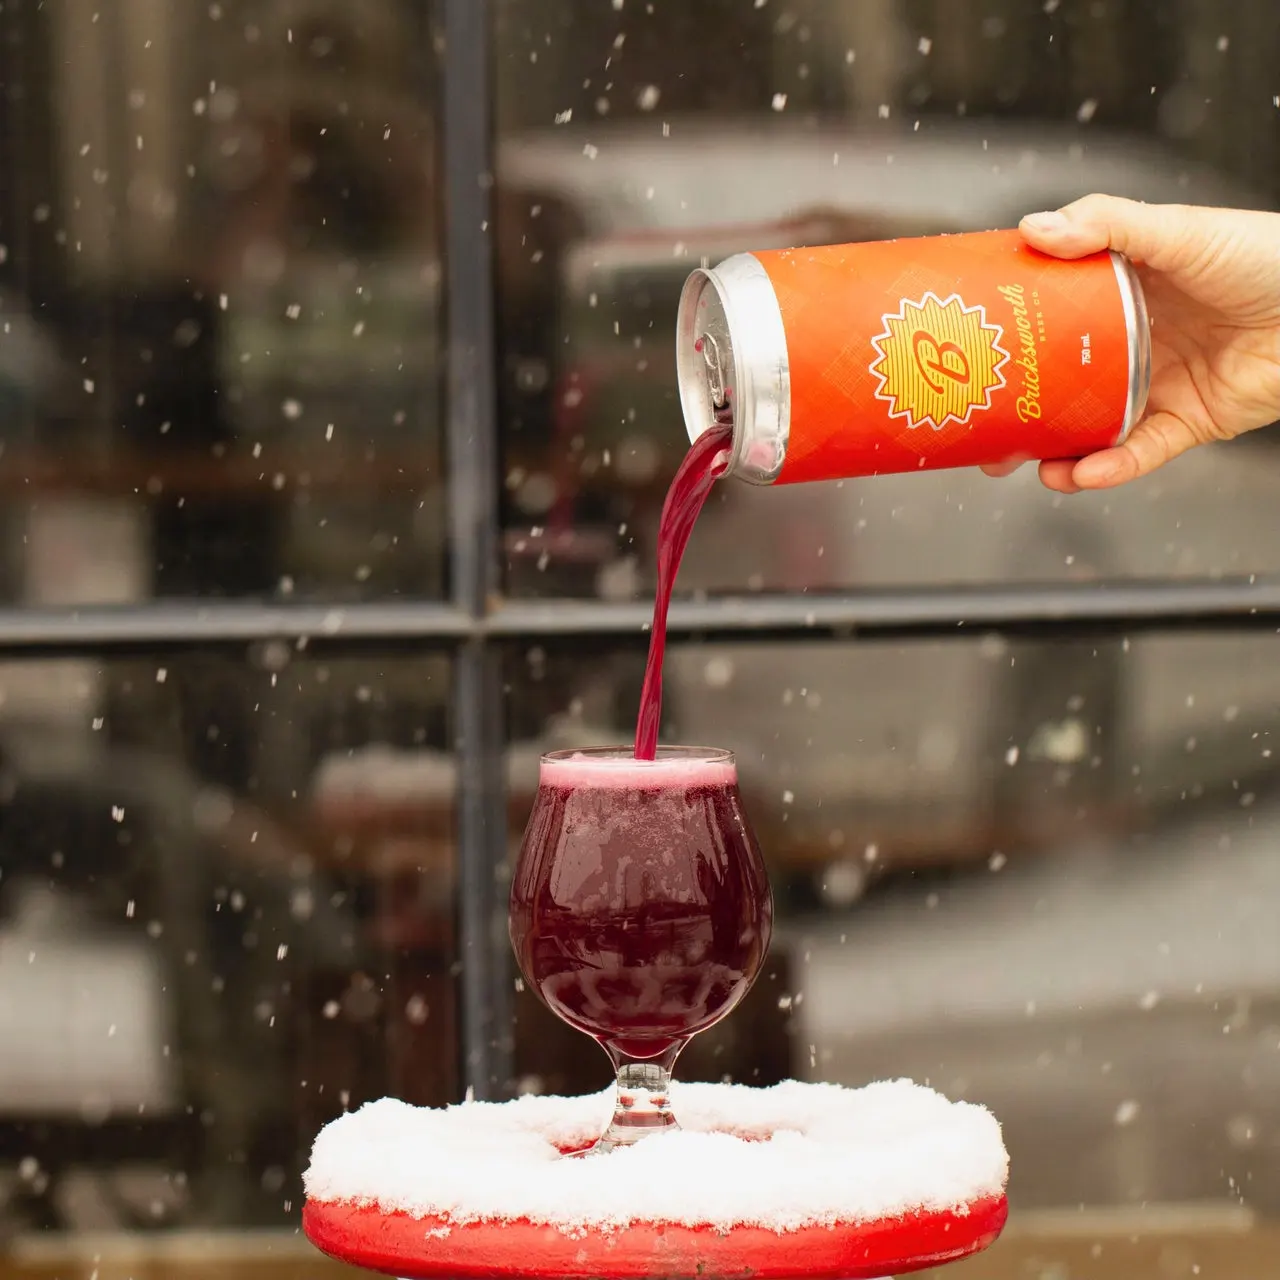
(731, 364)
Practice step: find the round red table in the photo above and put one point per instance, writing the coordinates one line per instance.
(433, 1249)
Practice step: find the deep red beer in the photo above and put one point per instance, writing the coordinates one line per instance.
(905, 355)
(640, 906)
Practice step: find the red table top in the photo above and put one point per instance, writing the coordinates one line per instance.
(433, 1249)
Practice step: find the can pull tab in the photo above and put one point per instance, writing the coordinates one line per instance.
(708, 348)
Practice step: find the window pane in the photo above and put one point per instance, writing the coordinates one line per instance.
(637, 139)
(220, 279)
(1038, 875)
(226, 914)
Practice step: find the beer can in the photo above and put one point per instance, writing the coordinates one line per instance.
(914, 354)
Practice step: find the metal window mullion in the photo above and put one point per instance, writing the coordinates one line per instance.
(1030, 610)
(474, 539)
(1033, 610)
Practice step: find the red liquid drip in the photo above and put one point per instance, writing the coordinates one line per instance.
(703, 465)
(641, 914)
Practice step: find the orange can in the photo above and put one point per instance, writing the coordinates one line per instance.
(906, 355)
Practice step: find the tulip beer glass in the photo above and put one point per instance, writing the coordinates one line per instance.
(640, 910)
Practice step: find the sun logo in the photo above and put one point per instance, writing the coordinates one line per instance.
(938, 362)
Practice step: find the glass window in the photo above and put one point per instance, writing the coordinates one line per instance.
(226, 914)
(1040, 875)
(221, 350)
(638, 139)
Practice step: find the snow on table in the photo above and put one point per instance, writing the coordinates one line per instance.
(787, 1157)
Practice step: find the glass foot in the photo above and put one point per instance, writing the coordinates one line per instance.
(642, 1108)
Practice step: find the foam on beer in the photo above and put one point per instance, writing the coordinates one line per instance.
(783, 1158)
(625, 772)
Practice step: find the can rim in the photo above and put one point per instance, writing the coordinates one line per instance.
(742, 310)
(695, 400)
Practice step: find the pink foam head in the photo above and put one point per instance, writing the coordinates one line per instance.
(617, 767)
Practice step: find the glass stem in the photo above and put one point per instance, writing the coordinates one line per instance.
(643, 1103)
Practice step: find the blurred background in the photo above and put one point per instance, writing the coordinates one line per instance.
(1041, 874)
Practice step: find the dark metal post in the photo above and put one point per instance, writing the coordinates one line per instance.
(474, 540)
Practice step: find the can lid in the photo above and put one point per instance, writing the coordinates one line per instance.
(731, 364)
(704, 356)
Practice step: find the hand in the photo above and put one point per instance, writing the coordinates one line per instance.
(1212, 281)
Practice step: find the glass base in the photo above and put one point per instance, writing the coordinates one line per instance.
(642, 1108)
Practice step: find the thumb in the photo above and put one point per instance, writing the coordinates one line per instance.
(1153, 442)
(1163, 236)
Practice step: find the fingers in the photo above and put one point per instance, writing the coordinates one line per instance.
(1059, 235)
(1165, 237)
(1155, 441)
(997, 470)
(1057, 475)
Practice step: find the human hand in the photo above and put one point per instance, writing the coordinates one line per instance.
(1212, 283)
